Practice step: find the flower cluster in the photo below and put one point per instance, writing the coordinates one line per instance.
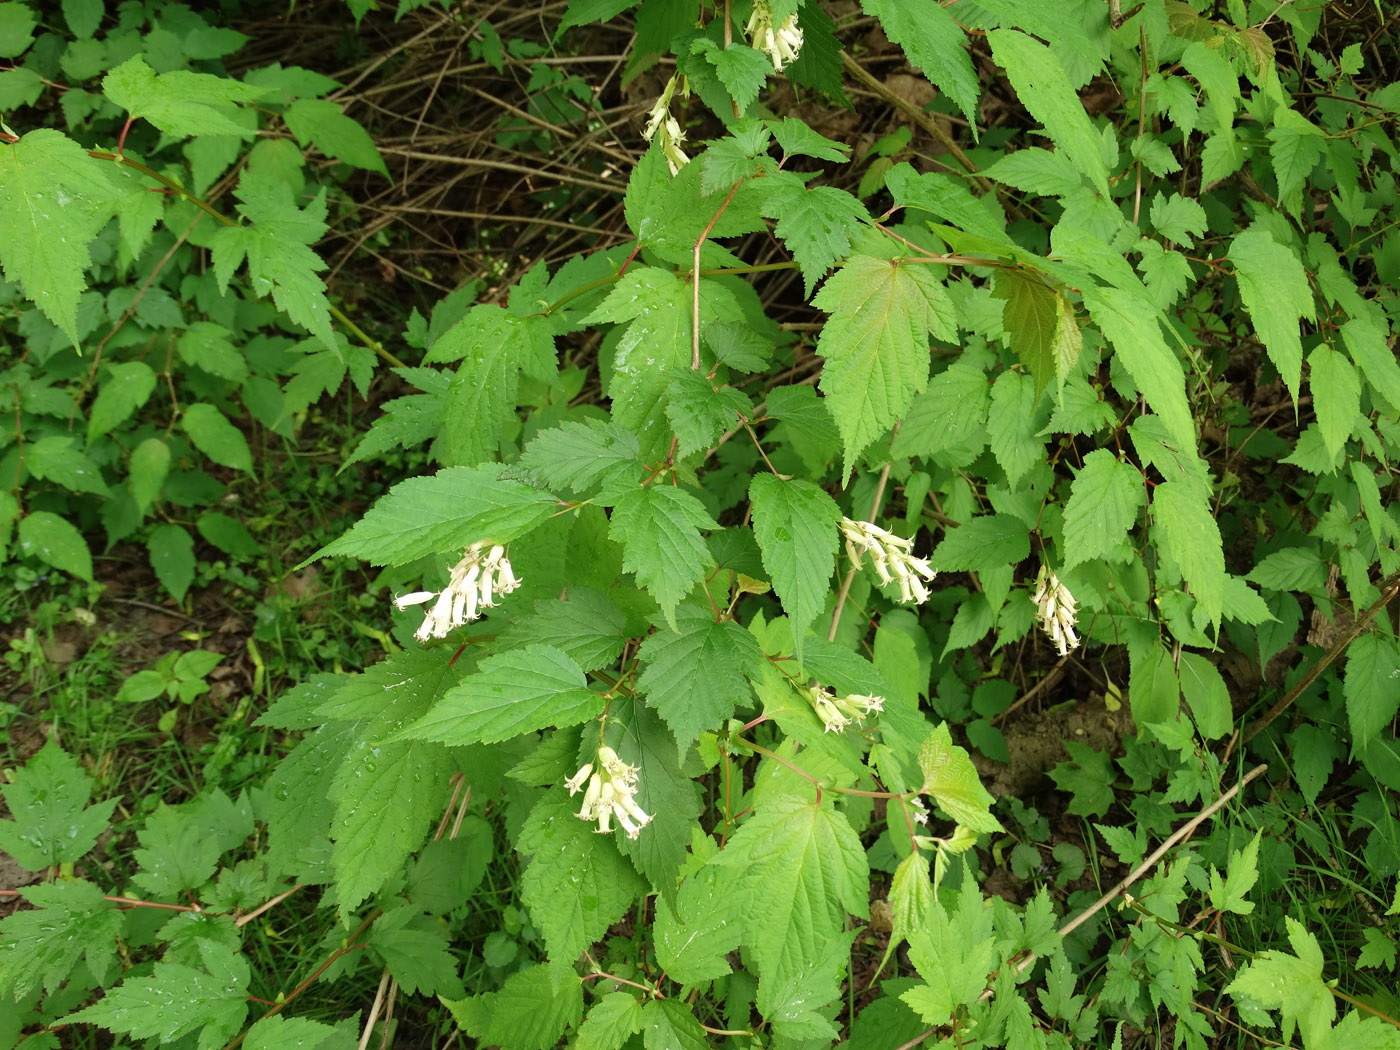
(837, 712)
(665, 128)
(475, 582)
(892, 557)
(1055, 609)
(609, 794)
(781, 43)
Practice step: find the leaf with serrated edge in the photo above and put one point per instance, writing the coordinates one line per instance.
(1193, 539)
(951, 780)
(932, 40)
(694, 676)
(795, 523)
(1105, 498)
(1276, 294)
(659, 529)
(53, 824)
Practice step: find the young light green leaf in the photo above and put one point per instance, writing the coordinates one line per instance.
(55, 541)
(795, 524)
(795, 1008)
(1275, 291)
(797, 139)
(171, 550)
(17, 24)
(54, 199)
(1292, 984)
(951, 780)
(180, 102)
(1013, 424)
(521, 691)
(742, 70)
(1367, 346)
(124, 390)
(1178, 218)
(912, 898)
(69, 921)
(1296, 144)
(659, 529)
(280, 1032)
(951, 200)
(1217, 76)
(53, 824)
(933, 41)
(1044, 89)
(876, 344)
(953, 954)
(1104, 501)
(443, 512)
(1193, 539)
(322, 123)
(1230, 893)
(695, 674)
(216, 437)
(414, 949)
(176, 1001)
(1336, 392)
(577, 884)
(950, 414)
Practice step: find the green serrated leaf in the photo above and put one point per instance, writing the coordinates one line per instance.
(1031, 317)
(577, 456)
(58, 459)
(933, 41)
(1336, 393)
(699, 412)
(522, 691)
(53, 824)
(953, 954)
(1105, 498)
(1178, 218)
(124, 390)
(659, 530)
(742, 70)
(1013, 424)
(1206, 695)
(176, 1001)
(816, 224)
(795, 523)
(216, 437)
(529, 1013)
(797, 139)
(180, 102)
(1373, 668)
(982, 543)
(69, 921)
(414, 948)
(1292, 984)
(1229, 893)
(613, 1019)
(1276, 294)
(290, 1033)
(1193, 540)
(322, 123)
(876, 344)
(951, 780)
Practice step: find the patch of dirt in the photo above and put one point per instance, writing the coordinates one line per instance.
(1036, 743)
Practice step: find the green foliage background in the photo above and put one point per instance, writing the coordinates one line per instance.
(1109, 319)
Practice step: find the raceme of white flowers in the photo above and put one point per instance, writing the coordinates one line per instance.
(837, 712)
(1055, 609)
(610, 793)
(891, 556)
(475, 583)
(665, 128)
(780, 43)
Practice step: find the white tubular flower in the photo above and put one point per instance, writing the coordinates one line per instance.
(781, 43)
(473, 584)
(1055, 609)
(838, 712)
(610, 794)
(665, 128)
(857, 706)
(891, 557)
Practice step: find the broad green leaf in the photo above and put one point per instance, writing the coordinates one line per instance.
(414, 948)
(1296, 144)
(577, 456)
(171, 549)
(954, 955)
(797, 139)
(1104, 501)
(494, 347)
(876, 344)
(216, 437)
(1217, 76)
(1036, 170)
(1291, 569)
(795, 523)
(69, 921)
(1193, 540)
(581, 12)
(1367, 346)
(668, 1024)
(280, 1032)
(1045, 90)
(659, 529)
(1178, 218)
(699, 412)
(53, 824)
(1206, 694)
(1230, 893)
(124, 390)
(176, 1001)
(795, 870)
(180, 845)
(1292, 984)
(695, 934)
(228, 534)
(208, 346)
(443, 512)
(1336, 393)
(950, 414)
(58, 459)
(1131, 324)
(1031, 317)
(586, 625)
(612, 1020)
(1154, 692)
(951, 200)
(577, 884)
(54, 541)
(322, 123)
(912, 897)
(150, 464)
(742, 70)
(982, 543)
(1276, 294)
(54, 199)
(695, 675)
(951, 780)
(1373, 668)
(17, 24)
(529, 1013)
(180, 102)
(933, 41)
(795, 1008)
(816, 224)
(522, 691)
(1013, 425)
(277, 246)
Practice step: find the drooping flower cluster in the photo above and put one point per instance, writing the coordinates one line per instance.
(474, 584)
(780, 43)
(891, 556)
(665, 128)
(1055, 609)
(610, 793)
(837, 712)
